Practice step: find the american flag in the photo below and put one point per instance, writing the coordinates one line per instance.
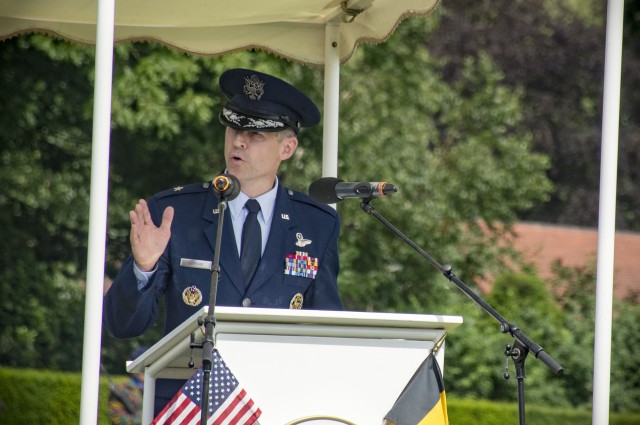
(228, 402)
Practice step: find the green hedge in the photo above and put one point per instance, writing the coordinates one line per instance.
(480, 412)
(44, 397)
(53, 398)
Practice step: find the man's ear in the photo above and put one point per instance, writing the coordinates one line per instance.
(289, 146)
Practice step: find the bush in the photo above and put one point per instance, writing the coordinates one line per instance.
(480, 412)
(45, 397)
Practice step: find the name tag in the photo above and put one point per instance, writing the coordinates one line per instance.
(195, 264)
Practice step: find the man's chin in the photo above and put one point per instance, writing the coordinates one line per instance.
(235, 168)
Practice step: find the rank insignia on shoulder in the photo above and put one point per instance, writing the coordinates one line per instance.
(296, 302)
(300, 264)
(302, 242)
(178, 188)
(192, 296)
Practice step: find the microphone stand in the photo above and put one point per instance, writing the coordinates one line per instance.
(522, 345)
(209, 321)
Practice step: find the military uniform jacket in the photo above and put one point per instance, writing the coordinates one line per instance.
(298, 268)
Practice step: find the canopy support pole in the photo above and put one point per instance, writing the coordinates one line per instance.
(607, 213)
(331, 100)
(97, 213)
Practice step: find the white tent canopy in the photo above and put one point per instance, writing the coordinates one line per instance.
(319, 32)
(288, 28)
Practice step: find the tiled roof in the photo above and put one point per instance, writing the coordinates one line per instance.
(542, 244)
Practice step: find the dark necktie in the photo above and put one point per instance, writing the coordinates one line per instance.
(251, 242)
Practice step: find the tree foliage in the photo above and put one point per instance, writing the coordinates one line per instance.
(454, 165)
(44, 168)
(554, 52)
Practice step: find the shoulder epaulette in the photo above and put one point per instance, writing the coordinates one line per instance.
(297, 196)
(184, 190)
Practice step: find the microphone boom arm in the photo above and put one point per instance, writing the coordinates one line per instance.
(447, 271)
(523, 344)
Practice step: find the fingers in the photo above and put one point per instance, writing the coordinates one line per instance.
(146, 215)
(141, 215)
(167, 218)
(148, 242)
(133, 217)
(137, 215)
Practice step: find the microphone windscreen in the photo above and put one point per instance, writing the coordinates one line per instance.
(226, 185)
(324, 190)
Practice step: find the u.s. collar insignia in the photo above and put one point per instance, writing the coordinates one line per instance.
(296, 302)
(302, 241)
(253, 87)
(192, 296)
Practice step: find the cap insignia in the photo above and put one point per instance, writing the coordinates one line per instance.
(253, 87)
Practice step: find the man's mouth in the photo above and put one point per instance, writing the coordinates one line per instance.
(236, 158)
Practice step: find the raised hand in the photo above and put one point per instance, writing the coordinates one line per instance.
(148, 242)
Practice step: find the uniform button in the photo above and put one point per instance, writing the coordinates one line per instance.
(290, 192)
(205, 185)
(246, 302)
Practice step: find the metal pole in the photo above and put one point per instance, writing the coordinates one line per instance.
(607, 213)
(97, 213)
(331, 100)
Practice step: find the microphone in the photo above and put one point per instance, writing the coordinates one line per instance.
(226, 186)
(329, 190)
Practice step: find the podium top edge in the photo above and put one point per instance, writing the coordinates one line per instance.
(306, 319)
(327, 317)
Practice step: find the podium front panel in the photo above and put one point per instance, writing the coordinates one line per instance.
(295, 364)
(349, 378)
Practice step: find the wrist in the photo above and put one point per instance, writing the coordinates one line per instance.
(145, 267)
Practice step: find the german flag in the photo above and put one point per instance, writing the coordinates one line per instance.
(423, 400)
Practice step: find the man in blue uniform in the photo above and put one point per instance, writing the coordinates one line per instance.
(173, 233)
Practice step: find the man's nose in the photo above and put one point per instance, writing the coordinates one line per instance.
(241, 139)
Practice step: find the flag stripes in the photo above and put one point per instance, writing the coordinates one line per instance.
(423, 400)
(228, 403)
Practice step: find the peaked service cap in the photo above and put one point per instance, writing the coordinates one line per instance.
(261, 102)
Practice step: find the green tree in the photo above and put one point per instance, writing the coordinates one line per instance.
(44, 168)
(625, 382)
(574, 289)
(554, 53)
(457, 167)
(476, 361)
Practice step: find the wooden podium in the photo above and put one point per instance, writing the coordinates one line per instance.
(351, 366)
